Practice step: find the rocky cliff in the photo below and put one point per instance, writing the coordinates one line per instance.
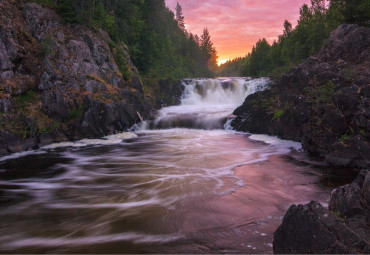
(343, 228)
(61, 81)
(323, 103)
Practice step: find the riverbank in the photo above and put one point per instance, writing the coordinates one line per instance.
(65, 82)
(323, 103)
(165, 191)
(342, 228)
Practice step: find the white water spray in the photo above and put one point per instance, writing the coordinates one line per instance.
(207, 103)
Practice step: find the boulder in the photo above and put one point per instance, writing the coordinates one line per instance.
(343, 228)
(323, 103)
(63, 79)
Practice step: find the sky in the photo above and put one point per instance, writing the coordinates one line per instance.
(236, 25)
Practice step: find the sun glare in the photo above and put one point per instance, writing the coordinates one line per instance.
(222, 61)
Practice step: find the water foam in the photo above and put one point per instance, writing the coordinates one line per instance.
(107, 140)
(277, 142)
(207, 103)
(138, 238)
(230, 91)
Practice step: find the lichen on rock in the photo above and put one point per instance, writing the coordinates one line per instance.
(61, 81)
(323, 102)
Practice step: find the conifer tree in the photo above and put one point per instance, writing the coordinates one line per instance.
(180, 17)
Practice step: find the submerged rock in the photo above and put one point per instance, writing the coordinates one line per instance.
(343, 228)
(323, 103)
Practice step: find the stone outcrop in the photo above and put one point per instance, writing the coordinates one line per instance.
(165, 92)
(323, 103)
(62, 81)
(344, 228)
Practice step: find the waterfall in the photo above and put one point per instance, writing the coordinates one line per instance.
(207, 103)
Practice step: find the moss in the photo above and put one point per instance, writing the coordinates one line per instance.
(326, 92)
(76, 113)
(50, 128)
(26, 98)
(119, 57)
(344, 138)
(47, 46)
(349, 74)
(278, 114)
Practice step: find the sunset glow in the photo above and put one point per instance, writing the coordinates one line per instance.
(236, 25)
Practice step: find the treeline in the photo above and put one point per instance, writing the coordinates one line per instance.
(159, 44)
(306, 39)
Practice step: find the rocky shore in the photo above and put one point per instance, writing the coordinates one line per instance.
(323, 103)
(62, 82)
(343, 228)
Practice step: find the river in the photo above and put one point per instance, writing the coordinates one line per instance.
(184, 182)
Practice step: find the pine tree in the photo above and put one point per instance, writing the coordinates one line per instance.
(206, 45)
(180, 17)
(205, 41)
(287, 28)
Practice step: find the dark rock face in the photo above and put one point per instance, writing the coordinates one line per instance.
(61, 82)
(165, 92)
(323, 103)
(311, 228)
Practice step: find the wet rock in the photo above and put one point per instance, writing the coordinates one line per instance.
(58, 137)
(351, 202)
(323, 103)
(63, 79)
(16, 143)
(313, 229)
(166, 92)
(45, 139)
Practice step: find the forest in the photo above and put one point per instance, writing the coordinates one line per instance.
(295, 44)
(159, 44)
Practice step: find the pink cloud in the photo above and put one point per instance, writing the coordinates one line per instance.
(236, 25)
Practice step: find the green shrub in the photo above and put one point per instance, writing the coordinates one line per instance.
(121, 61)
(76, 113)
(47, 46)
(278, 114)
(327, 92)
(26, 98)
(343, 138)
(349, 74)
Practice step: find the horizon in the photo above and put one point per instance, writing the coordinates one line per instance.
(244, 22)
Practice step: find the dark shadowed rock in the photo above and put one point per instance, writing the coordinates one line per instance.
(312, 228)
(61, 81)
(166, 92)
(323, 103)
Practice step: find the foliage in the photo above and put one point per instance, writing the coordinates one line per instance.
(343, 138)
(353, 11)
(327, 92)
(121, 61)
(26, 98)
(158, 43)
(47, 46)
(307, 38)
(180, 17)
(350, 74)
(278, 114)
(76, 113)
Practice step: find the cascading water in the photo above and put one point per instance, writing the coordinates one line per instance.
(207, 103)
(180, 184)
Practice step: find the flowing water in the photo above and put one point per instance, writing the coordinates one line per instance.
(181, 183)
